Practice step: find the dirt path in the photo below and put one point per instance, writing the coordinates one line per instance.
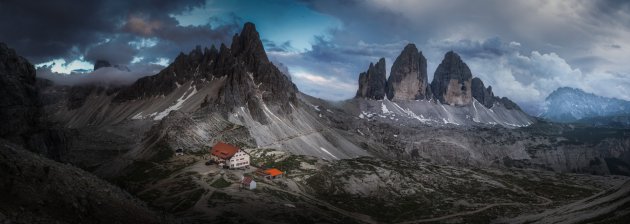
(547, 201)
(460, 213)
(356, 216)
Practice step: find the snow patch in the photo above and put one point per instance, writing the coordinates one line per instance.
(327, 152)
(177, 105)
(138, 116)
(384, 109)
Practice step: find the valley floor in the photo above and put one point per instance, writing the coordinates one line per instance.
(361, 190)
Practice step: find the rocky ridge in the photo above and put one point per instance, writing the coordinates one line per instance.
(452, 84)
(249, 78)
(372, 83)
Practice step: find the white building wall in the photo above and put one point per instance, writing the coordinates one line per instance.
(240, 159)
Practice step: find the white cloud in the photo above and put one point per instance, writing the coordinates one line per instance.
(161, 61)
(326, 87)
(60, 66)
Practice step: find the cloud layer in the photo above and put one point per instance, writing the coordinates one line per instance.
(524, 49)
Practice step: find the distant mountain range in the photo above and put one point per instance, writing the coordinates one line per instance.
(574, 105)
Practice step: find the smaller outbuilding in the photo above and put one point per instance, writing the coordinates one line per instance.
(248, 183)
(272, 173)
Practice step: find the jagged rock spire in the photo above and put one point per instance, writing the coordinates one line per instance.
(452, 81)
(372, 82)
(250, 79)
(408, 77)
(481, 93)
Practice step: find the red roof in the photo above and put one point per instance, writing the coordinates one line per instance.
(273, 172)
(223, 151)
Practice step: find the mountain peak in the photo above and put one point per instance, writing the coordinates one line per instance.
(408, 79)
(567, 104)
(248, 46)
(409, 48)
(452, 81)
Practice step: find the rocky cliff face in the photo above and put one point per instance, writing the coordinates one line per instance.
(272, 86)
(21, 114)
(452, 81)
(372, 83)
(20, 109)
(408, 77)
(250, 79)
(481, 93)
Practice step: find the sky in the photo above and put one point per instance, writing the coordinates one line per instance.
(523, 49)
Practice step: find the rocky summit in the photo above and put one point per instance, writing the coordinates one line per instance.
(248, 78)
(408, 77)
(452, 81)
(372, 83)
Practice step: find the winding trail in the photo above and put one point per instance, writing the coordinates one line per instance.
(353, 215)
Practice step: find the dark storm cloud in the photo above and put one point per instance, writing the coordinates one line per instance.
(116, 51)
(42, 30)
(329, 51)
(103, 76)
(489, 48)
(174, 39)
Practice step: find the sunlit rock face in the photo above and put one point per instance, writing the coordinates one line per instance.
(408, 79)
(452, 81)
(372, 82)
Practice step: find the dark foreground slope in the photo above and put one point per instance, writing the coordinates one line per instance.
(35, 189)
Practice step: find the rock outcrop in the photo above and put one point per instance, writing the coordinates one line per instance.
(372, 83)
(20, 108)
(481, 93)
(452, 81)
(408, 77)
(22, 119)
